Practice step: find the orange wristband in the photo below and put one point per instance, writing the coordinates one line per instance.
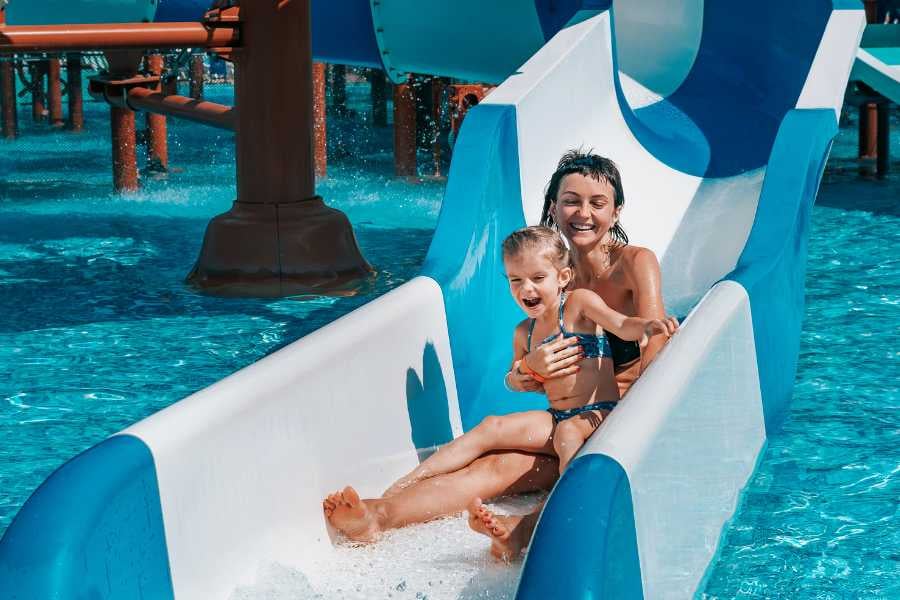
(524, 369)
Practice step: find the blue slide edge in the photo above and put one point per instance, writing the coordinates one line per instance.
(93, 529)
(772, 266)
(585, 545)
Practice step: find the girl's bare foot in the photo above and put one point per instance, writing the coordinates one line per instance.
(507, 541)
(351, 516)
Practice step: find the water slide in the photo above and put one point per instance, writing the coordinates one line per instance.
(720, 116)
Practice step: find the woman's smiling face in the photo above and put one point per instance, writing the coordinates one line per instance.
(585, 209)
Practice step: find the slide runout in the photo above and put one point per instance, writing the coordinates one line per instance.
(242, 466)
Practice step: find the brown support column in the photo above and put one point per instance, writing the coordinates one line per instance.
(37, 70)
(74, 92)
(319, 120)
(378, 94)
(404, 131)
(882, 163)
(279, 238)
(197, 76)
(157, 146)
(8, 116)
(54, 93)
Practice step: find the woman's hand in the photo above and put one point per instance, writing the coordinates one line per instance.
(522, 382)
(667, 327)
(556, 358)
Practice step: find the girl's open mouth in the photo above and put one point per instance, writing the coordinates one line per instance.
(531, 302)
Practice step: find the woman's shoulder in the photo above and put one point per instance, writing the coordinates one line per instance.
(639, 261)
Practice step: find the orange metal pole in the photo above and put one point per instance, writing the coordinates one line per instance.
(157, 146)
(38, 112)
(74, 92)
(50, 38)
(404, 130)
(54, 93)
(196, 76)
(8, 100)
(199, 111)
(125, 173)
(320, 126)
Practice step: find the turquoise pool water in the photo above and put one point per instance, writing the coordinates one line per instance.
(97, 330)
(820, 517)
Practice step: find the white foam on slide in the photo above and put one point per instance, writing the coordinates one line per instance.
(440, 560)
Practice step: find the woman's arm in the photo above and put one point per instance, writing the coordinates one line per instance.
(646, 286)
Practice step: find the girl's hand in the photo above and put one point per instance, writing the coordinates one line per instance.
(522, 382)
(667, 327)
(556, 358)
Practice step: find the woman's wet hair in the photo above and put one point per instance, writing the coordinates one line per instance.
(589, 165)
(539, 239)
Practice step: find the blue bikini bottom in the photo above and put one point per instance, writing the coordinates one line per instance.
(563, 414)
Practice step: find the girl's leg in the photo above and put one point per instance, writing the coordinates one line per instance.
(496, 474)
(571, 434)
(528, 431)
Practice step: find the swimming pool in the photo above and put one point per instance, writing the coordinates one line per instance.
(98, 329)
(818, 519)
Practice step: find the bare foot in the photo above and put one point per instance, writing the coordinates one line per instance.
(505, 543)
(351, 516)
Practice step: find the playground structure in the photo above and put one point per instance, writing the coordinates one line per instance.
(876, 74)
(721, 147)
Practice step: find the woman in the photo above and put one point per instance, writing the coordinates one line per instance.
(584, 200)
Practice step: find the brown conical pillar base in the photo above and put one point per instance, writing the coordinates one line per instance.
(285, 249)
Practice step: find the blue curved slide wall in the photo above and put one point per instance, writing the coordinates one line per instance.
(720, 173)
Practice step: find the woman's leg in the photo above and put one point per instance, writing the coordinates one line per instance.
(529, 431)
(496, 474)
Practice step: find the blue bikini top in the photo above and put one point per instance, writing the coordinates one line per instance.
(595, 346)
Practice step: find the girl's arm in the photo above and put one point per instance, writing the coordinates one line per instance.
(595, 309)
(515, 379)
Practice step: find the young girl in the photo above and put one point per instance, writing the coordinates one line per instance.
(538, 269)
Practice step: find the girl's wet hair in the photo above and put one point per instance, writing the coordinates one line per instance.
(589, 165)
(538, 238)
